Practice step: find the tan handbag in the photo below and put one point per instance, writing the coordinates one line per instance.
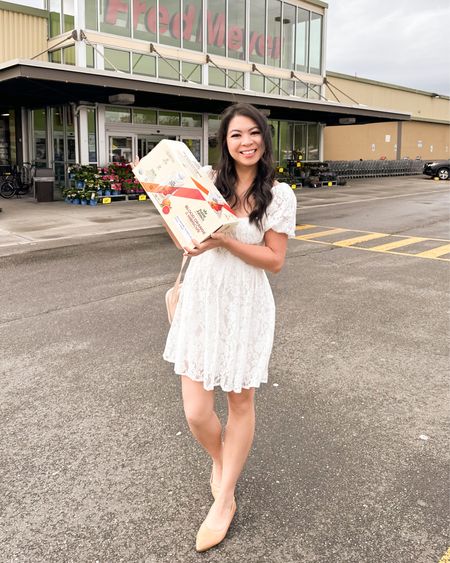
(173, 294)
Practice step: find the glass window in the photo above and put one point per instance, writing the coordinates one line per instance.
(301, 89)
(257, 34)
(272, 85)
(213, 145)
(192, 25)
(69, 19)
(216, 76)
(8, 138)
(274, 129)
(170, 22)
(315, 44)
(117, 60)
(215, 21)
(169, 69)
(288, 36)
(58, 120)
(301, 40)
(91, 14)
(235, 79)
(192, 72)
(236, 30)
(273, 43)
(288, 88)
(54, 7)
(257, 83)
(314, 92)
(313, 141)
(286, 140)
(144, 64)
(40, 136)
(69, 55)
(168, 118)
(55, 56)
(191, 120)
(117, 115)
(144, 116)
(90, 60)
(144, 20)
(115, 18)
(92, 136)
(300, 140)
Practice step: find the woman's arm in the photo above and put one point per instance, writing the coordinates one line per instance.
(270, 257)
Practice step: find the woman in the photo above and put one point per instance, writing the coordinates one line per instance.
(222, 331)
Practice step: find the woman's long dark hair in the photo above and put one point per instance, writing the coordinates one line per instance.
(226, 176)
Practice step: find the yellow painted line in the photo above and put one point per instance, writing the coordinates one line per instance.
(362, 238)
(388, 248)
(397, 244)
(322, 234)
(446, 557)
(359, 231)
(435, 252)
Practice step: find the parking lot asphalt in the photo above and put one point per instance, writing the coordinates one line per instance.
(350, 461)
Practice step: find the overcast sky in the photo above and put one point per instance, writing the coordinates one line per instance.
(404, 42)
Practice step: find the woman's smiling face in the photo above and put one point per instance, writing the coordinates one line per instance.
(244, 141)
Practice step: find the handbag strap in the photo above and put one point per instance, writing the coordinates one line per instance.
(178, 280)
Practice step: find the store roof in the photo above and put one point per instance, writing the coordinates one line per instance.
(34, 84)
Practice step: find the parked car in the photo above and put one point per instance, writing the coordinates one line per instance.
(438, 168)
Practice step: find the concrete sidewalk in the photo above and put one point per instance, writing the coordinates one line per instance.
(27, 225)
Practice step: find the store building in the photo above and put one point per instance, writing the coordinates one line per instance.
(102, 80)
(425, 137)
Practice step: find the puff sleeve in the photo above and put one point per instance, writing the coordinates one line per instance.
(281, 215)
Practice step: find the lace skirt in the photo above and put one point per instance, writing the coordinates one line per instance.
(222, 331)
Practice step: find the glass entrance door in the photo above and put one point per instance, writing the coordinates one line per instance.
(63, 145)
(195, 145)
(147, 142)
(121, 148)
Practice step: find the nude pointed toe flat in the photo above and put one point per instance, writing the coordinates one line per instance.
(208, 538)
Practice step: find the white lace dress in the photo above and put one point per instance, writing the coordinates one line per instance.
(222, 331)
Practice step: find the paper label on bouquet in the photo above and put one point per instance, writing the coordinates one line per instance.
(186, 198)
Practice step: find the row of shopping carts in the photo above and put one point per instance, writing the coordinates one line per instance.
(374, 168)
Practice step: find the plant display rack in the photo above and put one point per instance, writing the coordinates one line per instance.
(91, 184)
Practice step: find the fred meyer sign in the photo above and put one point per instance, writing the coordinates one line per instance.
(170, 23)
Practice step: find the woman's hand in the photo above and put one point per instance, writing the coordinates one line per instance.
(215, 241)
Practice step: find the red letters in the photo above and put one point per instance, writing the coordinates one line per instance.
(175, 26)
(276, 47)
(235, 38)
(216, 30)
(151, 20)
(188, 21)
(171, 24)
(113, 9)
(163, 19)
(139, 7)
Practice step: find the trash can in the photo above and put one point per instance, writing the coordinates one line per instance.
(44, 181)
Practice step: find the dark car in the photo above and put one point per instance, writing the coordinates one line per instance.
(437, 168)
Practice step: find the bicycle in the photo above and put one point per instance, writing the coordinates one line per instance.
(18, 181)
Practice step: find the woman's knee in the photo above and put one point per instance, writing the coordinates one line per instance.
(197, 414)
(197, 402)
(241, 403)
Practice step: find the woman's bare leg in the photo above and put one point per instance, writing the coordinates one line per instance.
(239, 433)
(203, 420)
